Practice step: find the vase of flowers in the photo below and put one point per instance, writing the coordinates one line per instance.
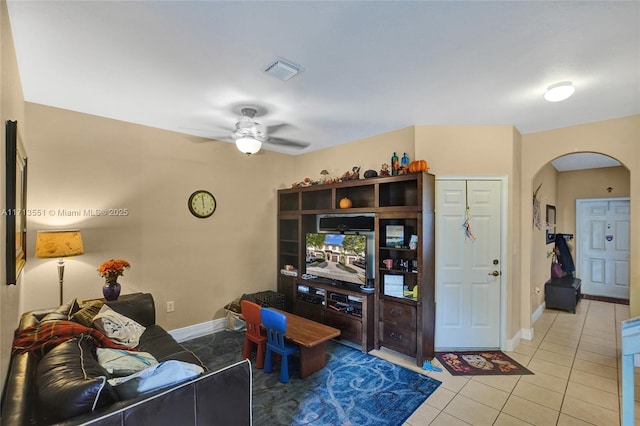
(110, 271)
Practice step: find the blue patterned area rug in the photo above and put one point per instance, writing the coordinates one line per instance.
(353, 389)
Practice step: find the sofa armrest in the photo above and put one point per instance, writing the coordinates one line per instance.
(18, 392)
(219, 397)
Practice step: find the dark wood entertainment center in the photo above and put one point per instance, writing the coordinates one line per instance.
(392, 315)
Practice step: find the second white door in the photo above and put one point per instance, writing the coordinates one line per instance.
(603, 247)
(468, 270)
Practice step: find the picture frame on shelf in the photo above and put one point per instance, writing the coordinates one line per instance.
(394, 236)
(393, 285)
(15, 203)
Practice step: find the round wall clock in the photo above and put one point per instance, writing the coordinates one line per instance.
(202, 204)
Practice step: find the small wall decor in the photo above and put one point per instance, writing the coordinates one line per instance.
(537, 221)
(551, 224)
(16, 204)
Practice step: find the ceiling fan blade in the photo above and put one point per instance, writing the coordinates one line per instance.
(208, 133)
(276, 127)
(287, 142)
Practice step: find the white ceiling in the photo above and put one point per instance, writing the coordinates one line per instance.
(369, 66)
(583, 160)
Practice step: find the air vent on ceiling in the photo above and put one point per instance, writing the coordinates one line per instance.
(282, 70)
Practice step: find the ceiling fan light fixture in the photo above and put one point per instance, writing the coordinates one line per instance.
(559, 91)
(248, 145)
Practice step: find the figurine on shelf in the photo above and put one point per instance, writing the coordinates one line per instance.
(306, 182)
(384, 169)
(404, 165)
(354, 174)
(324, 175)
(395, 164)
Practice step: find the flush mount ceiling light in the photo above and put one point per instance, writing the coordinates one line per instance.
(559, 91)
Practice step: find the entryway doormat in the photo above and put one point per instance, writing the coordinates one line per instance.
(480, 363)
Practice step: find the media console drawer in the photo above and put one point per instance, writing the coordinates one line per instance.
(398, 314)
(350, 328)
(397, 338)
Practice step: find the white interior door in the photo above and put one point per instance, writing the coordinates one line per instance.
(602, 238)
(468, 277)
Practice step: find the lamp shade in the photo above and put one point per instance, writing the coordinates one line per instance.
(62, 243)
(248, 145)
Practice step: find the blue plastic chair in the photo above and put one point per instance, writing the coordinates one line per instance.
(276, 325)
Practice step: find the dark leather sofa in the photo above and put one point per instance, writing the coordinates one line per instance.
(219, 397)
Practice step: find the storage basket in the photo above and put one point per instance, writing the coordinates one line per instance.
(266, 299)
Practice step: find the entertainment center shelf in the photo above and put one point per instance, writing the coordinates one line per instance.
(400, 312)
(339, 307)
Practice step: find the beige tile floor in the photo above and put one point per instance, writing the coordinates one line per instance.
(576, 361)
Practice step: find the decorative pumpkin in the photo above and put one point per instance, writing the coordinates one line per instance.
(345, 203)
(418, 166)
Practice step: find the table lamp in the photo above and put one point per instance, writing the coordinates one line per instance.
(60, 244)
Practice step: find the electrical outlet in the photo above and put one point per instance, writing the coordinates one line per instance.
(171, 306)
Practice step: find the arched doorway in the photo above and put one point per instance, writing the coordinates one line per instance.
(616, 138)
(564, 182)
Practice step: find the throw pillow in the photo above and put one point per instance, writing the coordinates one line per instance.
(62, 312)
(156, 377)
(86, 314)
(73, 308)
(69, 382)
(117, 327)
(119, 362)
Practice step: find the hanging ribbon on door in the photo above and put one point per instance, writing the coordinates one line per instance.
(467, 215)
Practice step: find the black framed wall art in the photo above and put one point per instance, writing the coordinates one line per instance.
(551, 224)
(15, 204)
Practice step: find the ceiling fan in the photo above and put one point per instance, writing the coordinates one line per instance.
(249, 135)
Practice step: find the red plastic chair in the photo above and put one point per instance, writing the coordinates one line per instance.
(254, 334)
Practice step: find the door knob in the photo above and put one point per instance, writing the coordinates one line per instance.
(494, 273)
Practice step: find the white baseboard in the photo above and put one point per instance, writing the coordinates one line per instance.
(536, 314)
(512, 343)
(524, 333)
(527, 333)
(199, 330)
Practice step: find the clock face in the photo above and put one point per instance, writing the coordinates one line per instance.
(202, 204)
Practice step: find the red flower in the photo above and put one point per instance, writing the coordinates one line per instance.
(113, 268)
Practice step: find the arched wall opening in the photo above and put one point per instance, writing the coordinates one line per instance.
(616, 138)
(560, 189)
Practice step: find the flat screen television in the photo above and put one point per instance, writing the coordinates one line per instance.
(337, 257)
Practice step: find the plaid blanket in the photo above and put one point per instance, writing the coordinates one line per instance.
(41, 338)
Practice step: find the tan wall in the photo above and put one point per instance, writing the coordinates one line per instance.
(547, 179)
(80, 162)
(515, 309)
(11, 108)
(616, 138)
(588, 184)
(368, 153)
(477, 151)
(466, 150)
